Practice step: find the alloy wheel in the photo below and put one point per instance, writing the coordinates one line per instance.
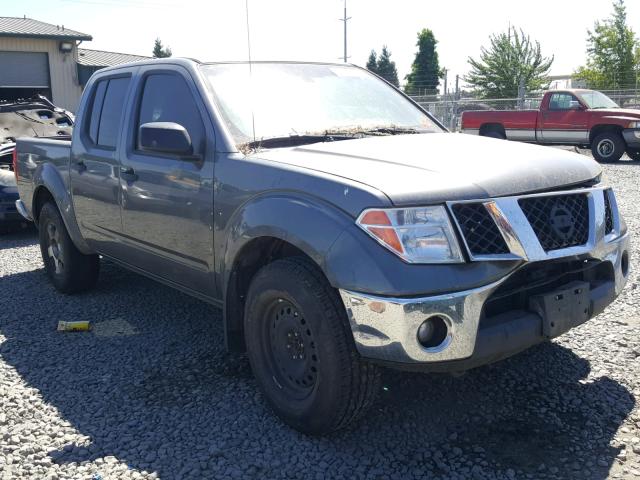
(54, 250)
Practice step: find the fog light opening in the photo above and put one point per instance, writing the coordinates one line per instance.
(624, 263)
(433, 332)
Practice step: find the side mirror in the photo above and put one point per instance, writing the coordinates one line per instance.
(165, 137)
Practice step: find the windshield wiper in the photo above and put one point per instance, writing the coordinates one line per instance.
(330, 135)
(391, 130)
(295, 140)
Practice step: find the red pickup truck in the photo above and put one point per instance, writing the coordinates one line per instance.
(582, 118)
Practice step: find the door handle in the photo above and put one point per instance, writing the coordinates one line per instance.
(128, 173)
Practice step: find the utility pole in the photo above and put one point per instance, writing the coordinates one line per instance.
(345, 19)
(521, 93)
(445, 116)
(445, 82)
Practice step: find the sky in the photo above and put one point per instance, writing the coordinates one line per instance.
(211, 30)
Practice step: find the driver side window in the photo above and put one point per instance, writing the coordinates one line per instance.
(562, 101)
(167, 98)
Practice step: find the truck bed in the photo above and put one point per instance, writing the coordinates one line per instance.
(44, 153)
(510, 119)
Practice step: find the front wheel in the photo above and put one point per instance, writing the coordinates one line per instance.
(69, 270)
(301, 349)
(608, 147)
(634, 154)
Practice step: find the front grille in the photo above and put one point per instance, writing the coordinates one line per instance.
(559, 221)
(608, 214)
(479, 229)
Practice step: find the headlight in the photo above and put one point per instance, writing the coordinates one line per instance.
(634, 125)
(417, 235)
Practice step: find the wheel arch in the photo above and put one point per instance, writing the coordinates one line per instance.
(50, 186)
(41, 195)
(254, 255)
(266, 229)
(485, 128)
(604, 128)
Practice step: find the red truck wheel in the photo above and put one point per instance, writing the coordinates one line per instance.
(607, 147)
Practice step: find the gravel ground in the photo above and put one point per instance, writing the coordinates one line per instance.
(151, 393)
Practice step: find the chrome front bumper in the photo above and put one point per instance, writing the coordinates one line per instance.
(385, 328)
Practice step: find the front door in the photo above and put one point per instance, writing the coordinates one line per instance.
(95, 165)
(167, 200)
(564, 121)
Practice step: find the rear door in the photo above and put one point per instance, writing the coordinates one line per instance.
(95, 163)
(564, 120)
(167, 200)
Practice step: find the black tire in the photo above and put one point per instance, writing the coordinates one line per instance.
(69, 270)
(495, 134)
(634, 154)
(301, 349)
(608, 147)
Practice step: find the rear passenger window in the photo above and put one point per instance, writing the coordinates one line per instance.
(96, 109)
(167, 98)
(106, 111)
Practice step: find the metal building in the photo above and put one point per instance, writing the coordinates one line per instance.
(38, 57)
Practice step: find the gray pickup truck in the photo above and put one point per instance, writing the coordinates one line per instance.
(340, 227)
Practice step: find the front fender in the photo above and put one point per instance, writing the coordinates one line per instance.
(47, 176)
(308, 223)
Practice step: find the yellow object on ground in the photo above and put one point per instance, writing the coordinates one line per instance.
(80, 326)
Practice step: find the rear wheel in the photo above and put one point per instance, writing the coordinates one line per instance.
(68, 269)
(301, 349)
(608, 147)
(634, 154)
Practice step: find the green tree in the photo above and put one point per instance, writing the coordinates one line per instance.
(159, 51)
(425, 72)
(372, 62)
(386, 67)
(511, 58)
(383, 66)
(613, 52)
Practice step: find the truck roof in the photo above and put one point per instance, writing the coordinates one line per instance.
(184, 61)
(570, 90)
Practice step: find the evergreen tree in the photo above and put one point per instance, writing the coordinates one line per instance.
(386, 67)
(613, 52)
(372, 63)
(425, 74)
(512, 57)
(159, 51)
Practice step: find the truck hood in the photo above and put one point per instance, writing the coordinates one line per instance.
(436, 167)
(618, 113)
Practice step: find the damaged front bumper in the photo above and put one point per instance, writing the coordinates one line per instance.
(497, 320)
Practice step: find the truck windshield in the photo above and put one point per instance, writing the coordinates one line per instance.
(596, 100)
(313, 102)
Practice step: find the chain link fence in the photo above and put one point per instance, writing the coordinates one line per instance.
(449, 108)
